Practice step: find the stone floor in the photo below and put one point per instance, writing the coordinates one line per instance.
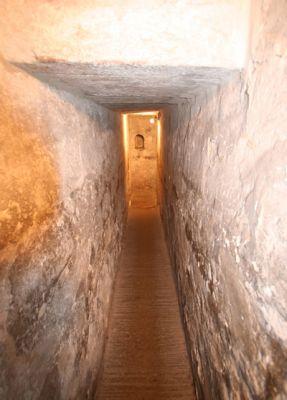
(145, 357)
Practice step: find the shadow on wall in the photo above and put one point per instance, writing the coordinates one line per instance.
(28, 181)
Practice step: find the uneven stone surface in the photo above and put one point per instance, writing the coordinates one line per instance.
(155, 32)
(119, 86)
(61, 216)
(145, 356)
(223, 186)
(142, 169)
(224, 208)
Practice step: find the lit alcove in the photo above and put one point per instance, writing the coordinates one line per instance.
(139, 142)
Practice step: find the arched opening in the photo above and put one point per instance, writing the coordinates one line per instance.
(139, 142)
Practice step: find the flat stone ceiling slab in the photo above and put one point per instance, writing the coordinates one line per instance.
(119, 86)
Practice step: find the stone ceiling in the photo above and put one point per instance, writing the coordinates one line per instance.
(120, 86)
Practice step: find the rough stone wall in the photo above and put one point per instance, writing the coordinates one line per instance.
(61, 219)
(143, 173)
(224, 208)
(90, 31)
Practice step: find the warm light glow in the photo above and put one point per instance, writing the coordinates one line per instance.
(126, 136)
(29, 185)
(158, 137)
(145, 113)
(125, 128)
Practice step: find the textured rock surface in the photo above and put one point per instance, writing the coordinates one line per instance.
(142, 171)
(223, 178)
(154, 32)
(117, 85)
(224, 208)
(61, 214)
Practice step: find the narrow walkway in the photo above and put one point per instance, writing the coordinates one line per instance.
(145, 357)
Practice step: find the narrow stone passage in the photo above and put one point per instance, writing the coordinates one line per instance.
(145, 355)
